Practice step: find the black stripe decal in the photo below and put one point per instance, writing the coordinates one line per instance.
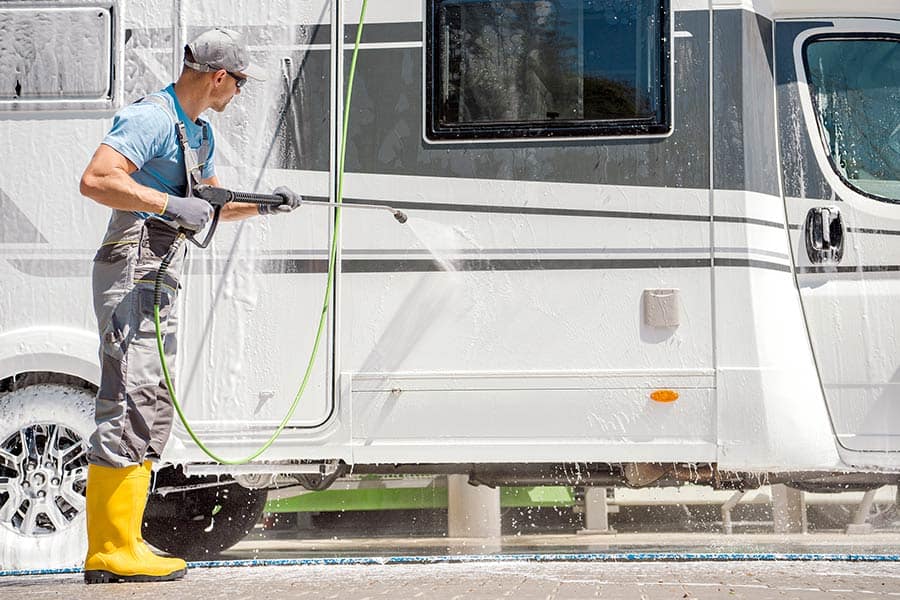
(851, 269)
(753, 264)
(747, 220)
(873, 231)
(525, 210)
(563, 212)
(378, 265)
(860, 230)
(513, 264)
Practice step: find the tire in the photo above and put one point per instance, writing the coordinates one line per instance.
(42, 520)
(199, 524)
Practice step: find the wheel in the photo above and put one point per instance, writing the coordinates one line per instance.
(44, 430)
(199, 523)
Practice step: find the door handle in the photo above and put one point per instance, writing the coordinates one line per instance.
(824, 235)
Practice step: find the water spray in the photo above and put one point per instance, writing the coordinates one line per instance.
(253, 198)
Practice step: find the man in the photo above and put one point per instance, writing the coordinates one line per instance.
(145, 168)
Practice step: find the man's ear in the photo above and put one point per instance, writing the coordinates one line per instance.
(220, 76)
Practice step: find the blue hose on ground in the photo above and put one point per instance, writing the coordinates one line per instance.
(626, 557)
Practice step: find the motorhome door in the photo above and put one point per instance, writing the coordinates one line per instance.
(838, 99)
(255, 297)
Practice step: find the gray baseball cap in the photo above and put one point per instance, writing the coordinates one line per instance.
(222, 49)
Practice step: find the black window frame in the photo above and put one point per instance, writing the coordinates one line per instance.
(837, 36)
(599, 128)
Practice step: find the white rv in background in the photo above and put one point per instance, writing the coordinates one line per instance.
(672, 225)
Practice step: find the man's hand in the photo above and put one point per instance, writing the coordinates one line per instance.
(289, 201)
(190, 213)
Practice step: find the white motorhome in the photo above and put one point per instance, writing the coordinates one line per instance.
(672, 225)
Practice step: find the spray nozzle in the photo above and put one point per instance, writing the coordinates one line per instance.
(400, 216)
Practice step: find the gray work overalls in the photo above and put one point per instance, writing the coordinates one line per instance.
(133, 409)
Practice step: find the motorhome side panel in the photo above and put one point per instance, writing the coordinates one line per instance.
(536, 346)
(588, 271)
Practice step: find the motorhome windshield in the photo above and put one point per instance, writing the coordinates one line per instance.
(552, 64)
(855, 85)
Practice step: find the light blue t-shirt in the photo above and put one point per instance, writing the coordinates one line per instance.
(144, 134)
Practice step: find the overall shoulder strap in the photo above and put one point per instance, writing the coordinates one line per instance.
(160, 101)
(204, 150)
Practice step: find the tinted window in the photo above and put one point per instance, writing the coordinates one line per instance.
(547, 67)
(52, 53)
(855, 85)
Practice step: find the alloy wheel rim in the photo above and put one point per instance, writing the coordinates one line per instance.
(43, 475)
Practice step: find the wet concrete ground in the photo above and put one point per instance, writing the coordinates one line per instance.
(492, 578)
(520, 580)
(279, 545)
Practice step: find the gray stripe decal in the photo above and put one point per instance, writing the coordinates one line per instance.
(744, 120)
(50, 267)
(321, 34)
(70, 268)
(374, 33)
(15, 227)
(758, 251)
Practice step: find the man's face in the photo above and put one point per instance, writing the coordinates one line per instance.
(225, 87)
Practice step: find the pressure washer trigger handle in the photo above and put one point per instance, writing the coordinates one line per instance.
(217, 209)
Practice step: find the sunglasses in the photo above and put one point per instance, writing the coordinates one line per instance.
(238, 81)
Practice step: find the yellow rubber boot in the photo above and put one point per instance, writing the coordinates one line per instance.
(115, 508)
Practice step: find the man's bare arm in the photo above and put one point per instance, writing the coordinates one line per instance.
(107, 180)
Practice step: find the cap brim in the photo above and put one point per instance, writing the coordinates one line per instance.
(254, 72)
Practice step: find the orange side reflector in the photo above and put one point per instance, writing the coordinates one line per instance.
(664, 396)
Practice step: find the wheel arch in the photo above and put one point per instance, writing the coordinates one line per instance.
(58, 354)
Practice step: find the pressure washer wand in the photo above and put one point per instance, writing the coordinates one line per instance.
(398, 214)
(218, 197)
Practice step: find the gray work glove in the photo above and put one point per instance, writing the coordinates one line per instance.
(190, 213)
(289, 201)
